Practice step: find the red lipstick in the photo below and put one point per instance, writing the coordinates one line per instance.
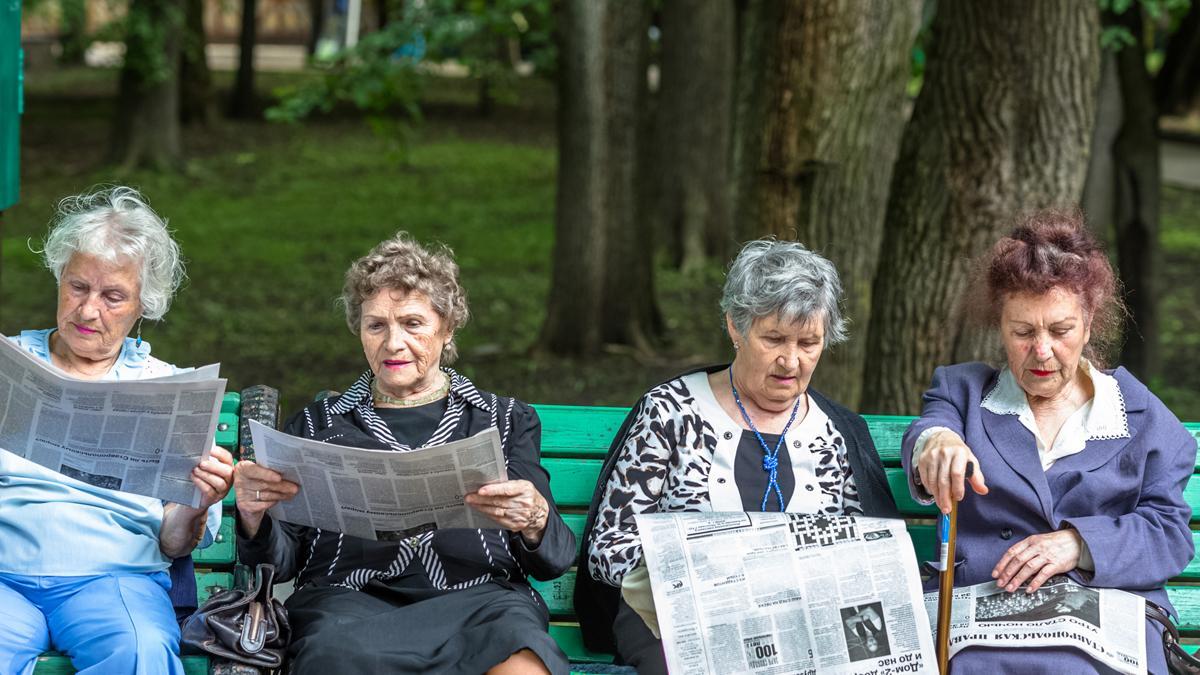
(1041, 373)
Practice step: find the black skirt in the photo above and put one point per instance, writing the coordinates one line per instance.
(398, 628)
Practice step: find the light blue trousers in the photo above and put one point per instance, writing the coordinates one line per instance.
(111, 624)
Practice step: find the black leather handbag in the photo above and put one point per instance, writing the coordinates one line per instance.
(1179, 662)
(247, 626)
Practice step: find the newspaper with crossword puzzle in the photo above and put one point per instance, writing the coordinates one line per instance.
(786, 593)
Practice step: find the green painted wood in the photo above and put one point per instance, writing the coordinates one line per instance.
(1186, 600)
(57, 664)
(558, 594)
(887, 432)
(227, 430)
(567, 635)
(208, 583)
(223, 550)
(578, 431)
(572, 480)
(231, 403)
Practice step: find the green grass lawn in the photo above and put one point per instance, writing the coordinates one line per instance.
(269, 217)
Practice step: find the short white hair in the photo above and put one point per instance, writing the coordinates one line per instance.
(116, 224)
(783, 279)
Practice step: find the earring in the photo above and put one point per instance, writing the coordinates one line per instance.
(139, 334)
(737, 346)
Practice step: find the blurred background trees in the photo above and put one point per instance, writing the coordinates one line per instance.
(596, 163)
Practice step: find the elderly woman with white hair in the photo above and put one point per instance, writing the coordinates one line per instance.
(748, 436)
(84, 569)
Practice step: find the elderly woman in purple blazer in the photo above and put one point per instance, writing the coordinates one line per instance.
(1079, 470)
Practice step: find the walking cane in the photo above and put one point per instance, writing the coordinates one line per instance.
(948, 528)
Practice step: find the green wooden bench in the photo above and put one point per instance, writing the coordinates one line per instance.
(575, 440)
(214, 564)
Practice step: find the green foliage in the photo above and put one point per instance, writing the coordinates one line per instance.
(382, 77)
(1163, 15)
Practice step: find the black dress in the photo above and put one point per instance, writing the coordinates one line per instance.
(445, 601)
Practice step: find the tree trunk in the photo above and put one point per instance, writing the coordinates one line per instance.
(73, 32)
(821, 115)
(1136, 171)
(1098, 200)
(196, 104)
(693, 209)
(316, 10)
(242, 105)
(1178, 83)
(602, 284)
(146, 126)
(1002, 125)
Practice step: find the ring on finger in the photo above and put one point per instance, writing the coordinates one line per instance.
(258, 495)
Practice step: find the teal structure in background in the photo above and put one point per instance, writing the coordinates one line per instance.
(12, 101)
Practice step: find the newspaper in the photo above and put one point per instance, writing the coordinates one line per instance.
(1107, 624)
(786, 593)
(380, 494)
(143, 437)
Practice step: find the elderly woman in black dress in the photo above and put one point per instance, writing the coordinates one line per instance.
(463, 603)
(748, 436)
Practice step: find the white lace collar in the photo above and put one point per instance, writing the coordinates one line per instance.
(1105, 420)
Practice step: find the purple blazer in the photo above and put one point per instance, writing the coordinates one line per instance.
(1124, 496)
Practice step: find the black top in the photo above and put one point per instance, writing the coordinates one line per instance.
(448, 556)
(752, 480)
(413, 426)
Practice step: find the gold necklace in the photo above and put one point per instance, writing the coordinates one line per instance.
(382, 398)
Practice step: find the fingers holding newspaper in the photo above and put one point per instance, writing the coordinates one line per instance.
(214, 476)
(515, 505)
(258, 489)
(1037, 558)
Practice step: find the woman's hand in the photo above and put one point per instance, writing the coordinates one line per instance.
(1037, 558)
(214, 477)
(515, 505)
(258, 489)
(943, 468)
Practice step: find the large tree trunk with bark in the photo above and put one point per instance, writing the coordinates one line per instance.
(694, 123)
(242, 104)
(1136, 187)
(821, 111)
(196, 102)
(602, 285)
(146, 126)
(1002, 126)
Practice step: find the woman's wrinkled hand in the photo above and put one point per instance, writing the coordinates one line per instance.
(515, 505)
(1037, 558)
(943, 469)
(214, 477)
(258, 489)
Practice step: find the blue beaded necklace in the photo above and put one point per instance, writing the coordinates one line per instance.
(770, 462)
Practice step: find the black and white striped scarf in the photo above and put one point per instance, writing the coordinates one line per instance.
(462, 393)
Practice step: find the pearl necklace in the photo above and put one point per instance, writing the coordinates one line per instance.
(381, 398)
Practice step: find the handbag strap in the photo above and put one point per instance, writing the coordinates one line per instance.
(1178, 660)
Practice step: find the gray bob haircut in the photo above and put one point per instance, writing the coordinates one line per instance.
(116, 224)
(784, 279)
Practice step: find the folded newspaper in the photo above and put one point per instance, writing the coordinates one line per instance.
(143, 437)
(786, 593)
(381, 494)
(1107, 624)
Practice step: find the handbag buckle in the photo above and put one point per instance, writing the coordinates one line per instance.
(254, 629)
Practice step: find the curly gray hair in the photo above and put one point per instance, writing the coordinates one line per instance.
(783, 278)
(117, 224)
(401, 263)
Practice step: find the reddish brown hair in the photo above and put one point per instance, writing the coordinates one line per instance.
(1052, 248)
